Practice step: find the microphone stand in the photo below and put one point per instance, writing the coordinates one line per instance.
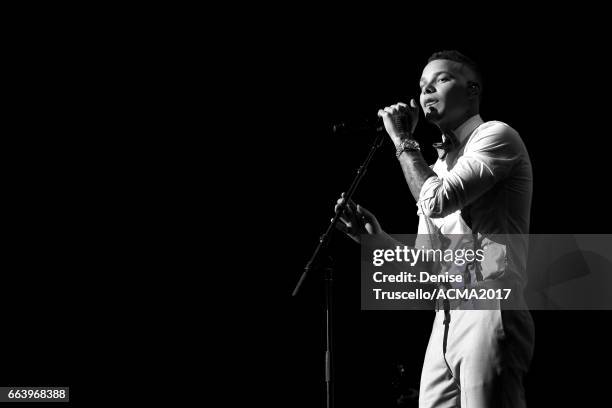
(325, 263)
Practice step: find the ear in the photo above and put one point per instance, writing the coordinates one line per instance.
(473, 88)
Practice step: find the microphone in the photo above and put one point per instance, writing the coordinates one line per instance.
(367, 126)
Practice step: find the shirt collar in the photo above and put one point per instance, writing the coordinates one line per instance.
(466, 128)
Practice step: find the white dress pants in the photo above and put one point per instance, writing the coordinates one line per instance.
(482, 361)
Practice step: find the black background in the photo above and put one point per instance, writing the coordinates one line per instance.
(285, 77)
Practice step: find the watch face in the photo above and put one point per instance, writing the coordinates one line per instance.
(407, 144)
(411, 144)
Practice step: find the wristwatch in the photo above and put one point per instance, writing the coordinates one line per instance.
(407, 145)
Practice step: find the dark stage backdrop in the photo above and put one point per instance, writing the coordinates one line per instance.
(82, 305)
(553, 89)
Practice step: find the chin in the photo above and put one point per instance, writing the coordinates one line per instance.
(434, 117)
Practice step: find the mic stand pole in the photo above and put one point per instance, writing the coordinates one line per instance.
(326, 265)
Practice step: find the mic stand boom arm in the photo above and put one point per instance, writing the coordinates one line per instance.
(314, 263)
(325, 238)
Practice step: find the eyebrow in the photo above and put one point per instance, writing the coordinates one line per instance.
(435, 76)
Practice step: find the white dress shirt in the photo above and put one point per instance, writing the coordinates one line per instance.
(482, 187)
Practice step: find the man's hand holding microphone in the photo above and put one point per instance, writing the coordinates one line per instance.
(400, 120)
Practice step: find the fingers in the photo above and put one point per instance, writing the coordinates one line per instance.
(345, 221)
(341, 226)
(362, 211)
(348, 216)
(338, 204)
(393, 109)
(350, 208)
(366, 217)
(397, 108)
(413, 104)
(351, 204)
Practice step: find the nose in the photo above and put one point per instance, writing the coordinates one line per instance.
(428, 89)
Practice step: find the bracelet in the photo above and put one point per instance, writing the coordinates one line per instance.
(407, 145)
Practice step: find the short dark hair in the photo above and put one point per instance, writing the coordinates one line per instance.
(454, 55)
